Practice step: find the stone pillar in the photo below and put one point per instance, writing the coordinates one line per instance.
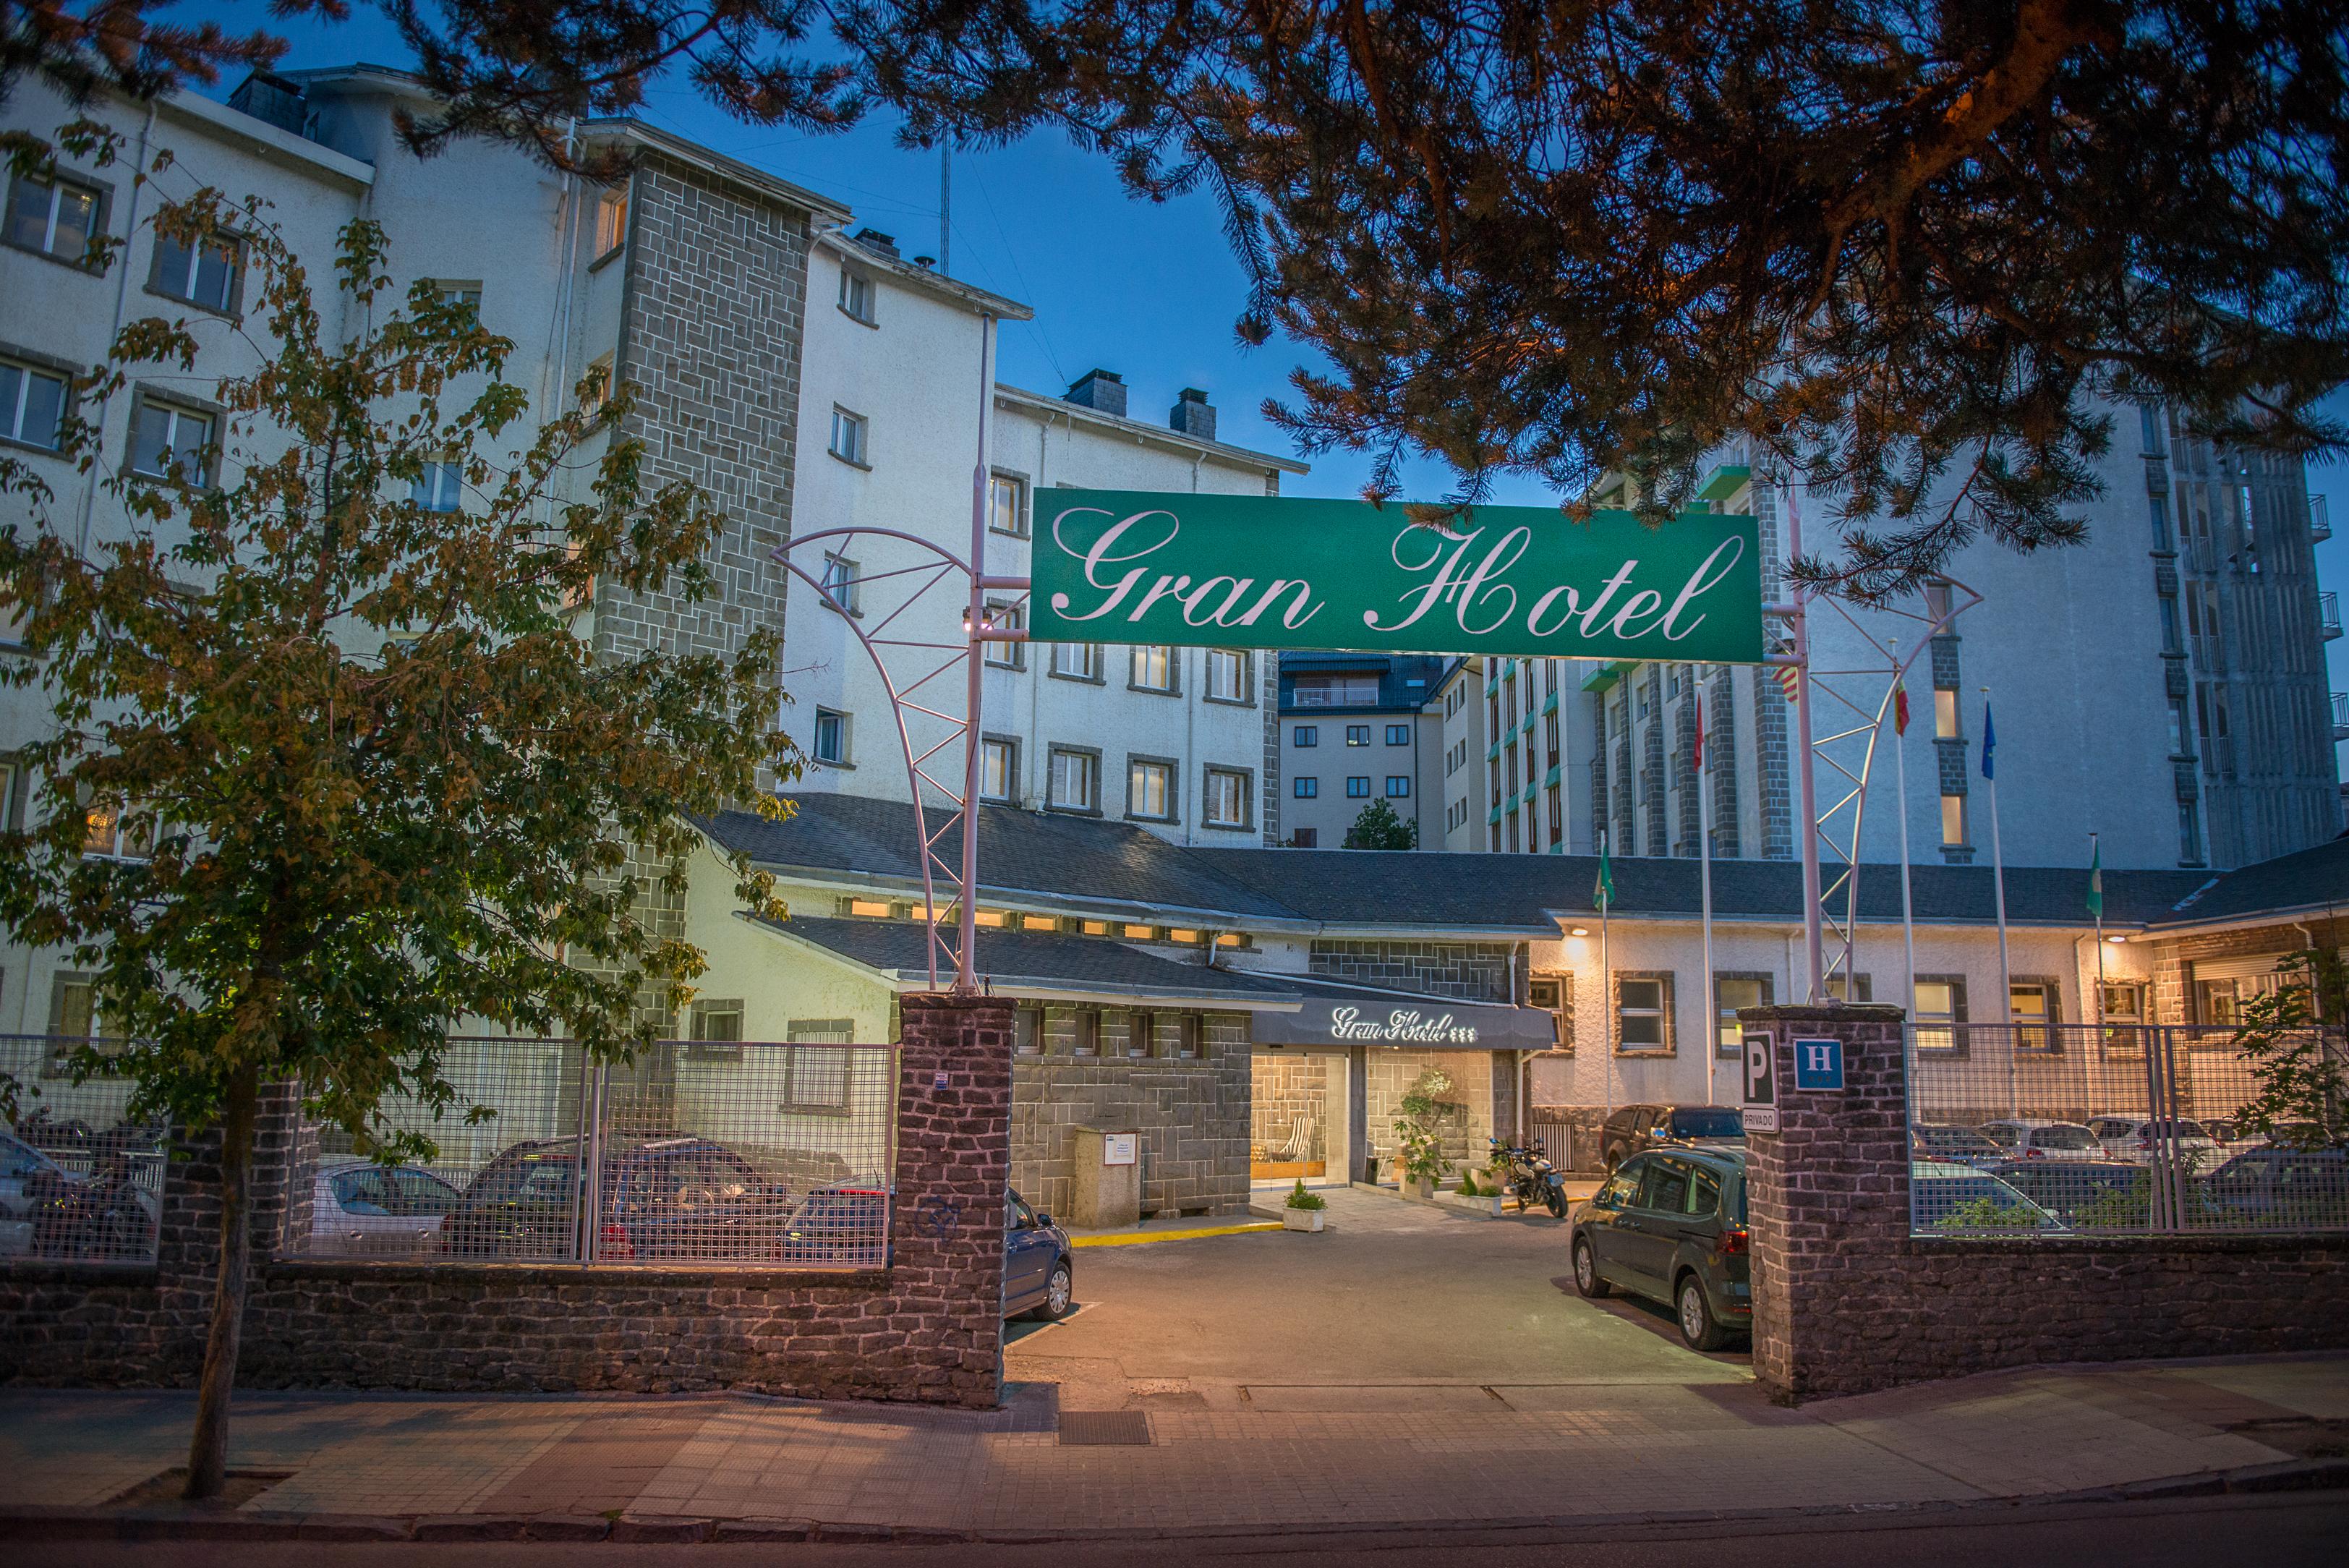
(954, 1173)
(1828, 1200)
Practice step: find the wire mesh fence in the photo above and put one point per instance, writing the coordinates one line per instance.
(705, 1154)
(80, 1180)
(2059, 1129)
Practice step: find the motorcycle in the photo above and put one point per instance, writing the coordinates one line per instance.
(1529, 1177)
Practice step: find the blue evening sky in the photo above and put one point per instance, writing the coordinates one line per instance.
(1149, 290)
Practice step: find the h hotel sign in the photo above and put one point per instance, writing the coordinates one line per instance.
(1245, 571)
(1818, 1065)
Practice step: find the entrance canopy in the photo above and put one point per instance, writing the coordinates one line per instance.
(1352, 1015)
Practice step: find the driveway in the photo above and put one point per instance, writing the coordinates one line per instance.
(1393, 1306)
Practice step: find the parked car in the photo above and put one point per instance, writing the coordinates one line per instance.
(842, 1224)
(2111, 1191)
(28, 1178)
(2024, 1138)
(360, 1208)
(2283, 1186)
(1959, 1197)
(1952, 1146)
(1635, 1128)
(2131, 1137)
(1670, 1225)
(1039, 1265)
(668, 1197)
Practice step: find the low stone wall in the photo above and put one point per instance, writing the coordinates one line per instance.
(928, 1327)
(1845, 1301)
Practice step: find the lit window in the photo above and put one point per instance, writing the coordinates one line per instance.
(1150, 790)
(856, 294)
(998, 764)
(1939, 1006)
(441, 487)
(1226, 675)
(32, 404)
(840, 584)
(830, 736)
(850, 438)
(1007, 506)
(55, 217)
(1154, 668)
(1398, 786)
(202, 274)
(1358, 734)
(872, 908)
(611, 221)
(170, 442)
(1007, 655)
(1731, 993)
(1945, 714)
(1075, 781)
(1357, 786)
(1953, 819)
(1143, 933)
(1227, 798)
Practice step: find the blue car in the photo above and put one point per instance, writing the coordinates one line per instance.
(1039, 1265)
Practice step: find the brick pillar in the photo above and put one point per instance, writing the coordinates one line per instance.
(1828, 1200)
(954, 1170)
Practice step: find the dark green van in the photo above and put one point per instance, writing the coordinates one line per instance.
(1670, 1225)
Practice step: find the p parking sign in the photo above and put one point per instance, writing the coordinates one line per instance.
(1761, 1084)
(1818, 1065)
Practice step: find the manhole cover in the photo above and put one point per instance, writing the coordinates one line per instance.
(1104, 1428)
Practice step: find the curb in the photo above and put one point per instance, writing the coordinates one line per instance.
(1143, 1238)
(29, 1523)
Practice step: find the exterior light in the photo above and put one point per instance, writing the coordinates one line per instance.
(2116, 938)
(1581, 931)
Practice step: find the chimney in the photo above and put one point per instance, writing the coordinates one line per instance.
(1193, 415)
(1100, 390)
(874, 240)
(271, 99)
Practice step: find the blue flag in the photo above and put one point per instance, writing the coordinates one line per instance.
(1990, 742)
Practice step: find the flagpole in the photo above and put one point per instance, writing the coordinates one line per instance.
(2097, 908)
(1704, 881)
(1997, 886)
(1606, 997)
(1901, 786)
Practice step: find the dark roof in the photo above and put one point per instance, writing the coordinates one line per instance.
(1027, 960)
(1087, 863)
(2309, 877)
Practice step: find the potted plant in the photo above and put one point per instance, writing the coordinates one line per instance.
(1303, 1210)
(1423, 1164)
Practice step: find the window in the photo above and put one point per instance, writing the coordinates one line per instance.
(202, 274)
(2032, 1004)
(2190, 833)
(439, 487)
(718, 1023)
(1729, 992)
(2172, 642)
(1398, 734)
(1945, 714)
(1358, 734)
(998, 764)
(1358, 787)
(32, 404)
(1007, 505)
(1936, 1007)
(167, 441)
(2181, 729)
(1150, 790)
(1937, 598)
(1226, 675)
(1077, 661)
(1309, 735)
(1177, 1036)
(1305, 838)
(1398, 786)
(849, 437)
(830, 737)
(107, 832)
(1333, 690)
(1076, 780)
(839, 583)
(817, 1077)
(53, 217)
(1227, 798)
(1548, 993)
(1007, 655)
(1027, 1032)
(2149, 430)
(73, 1017)
(1084, 1034)
(856, 294)
(1643, 1006)
(611, 221)
(1850, 988)
(1154, 668)
(1953, 820)
(2161, 535)
(1305, 786)
(2124, 1010)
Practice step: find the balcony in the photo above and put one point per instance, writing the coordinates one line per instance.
(2320, 520)
(2341, 716)
(2328, 613)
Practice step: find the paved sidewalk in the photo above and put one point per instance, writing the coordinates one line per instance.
(1428, 1453)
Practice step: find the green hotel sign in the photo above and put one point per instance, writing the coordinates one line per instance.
(1242, 571)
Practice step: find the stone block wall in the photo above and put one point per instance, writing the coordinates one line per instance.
(1845, 1301)
(927, 1328)
(1192, 1112)
(1290, 1094)
(1476, 1088)
(2173, 961)
(1472, 971)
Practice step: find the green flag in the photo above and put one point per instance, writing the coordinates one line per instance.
(1603, 895)
(2095, 879)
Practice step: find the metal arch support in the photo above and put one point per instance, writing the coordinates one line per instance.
(960, 784)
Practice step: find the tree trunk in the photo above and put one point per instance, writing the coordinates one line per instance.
(208, 1451)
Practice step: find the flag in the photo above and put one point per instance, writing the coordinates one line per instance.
(1901, 709)
(1696, 751)
(1990, 742)
(2095, 879)
(1603, 894)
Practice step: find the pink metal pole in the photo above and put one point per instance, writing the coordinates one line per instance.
(967, 917)
(1814, 940)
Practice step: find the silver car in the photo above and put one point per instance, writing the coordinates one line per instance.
(23, 1168)
(360, 1208)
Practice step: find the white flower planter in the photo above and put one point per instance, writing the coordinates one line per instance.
(1302, 1220)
